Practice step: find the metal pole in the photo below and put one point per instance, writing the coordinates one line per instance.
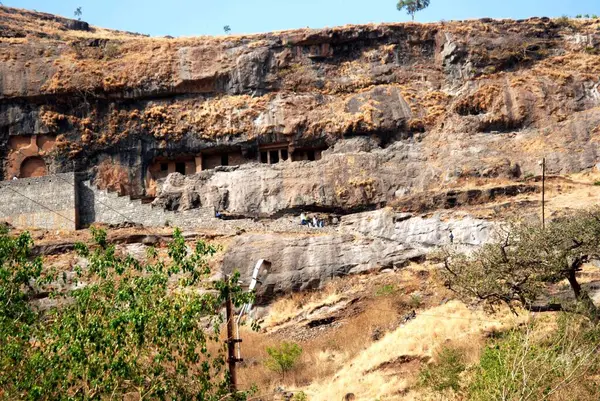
(231, 359)
(544, 193)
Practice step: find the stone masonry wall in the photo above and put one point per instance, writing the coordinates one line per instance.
(101, 206)
(48, 202)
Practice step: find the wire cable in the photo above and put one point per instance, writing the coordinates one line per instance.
(38, 203)
(127, 219)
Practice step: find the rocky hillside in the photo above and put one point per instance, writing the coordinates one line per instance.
(396, 134)
(437, 105)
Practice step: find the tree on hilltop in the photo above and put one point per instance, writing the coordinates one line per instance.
(412, 6)
(78, 13)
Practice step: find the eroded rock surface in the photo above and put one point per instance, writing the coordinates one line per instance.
(364, 242)
(448, 101)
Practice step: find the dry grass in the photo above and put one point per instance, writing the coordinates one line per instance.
(382, 302)
(373, 373)
(328, 347)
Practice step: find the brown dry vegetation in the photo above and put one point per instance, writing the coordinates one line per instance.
(364, 308)
(127, 62)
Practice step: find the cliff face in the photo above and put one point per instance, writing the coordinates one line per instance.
(438, 104)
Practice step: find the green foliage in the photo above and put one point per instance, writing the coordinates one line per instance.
(445, 373)
(17, 319)
(489, 70)
(525, 259)
(412, 6)
(128, 328)
(594, 16)
(597, 183)
(594, 51)
(284, 358)
(301, 396)
(386, 290)
(78, 13)
(227, 29)
(526, 365)
(579, 16)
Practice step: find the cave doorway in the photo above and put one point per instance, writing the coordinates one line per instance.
(33, 167)
(180, 168)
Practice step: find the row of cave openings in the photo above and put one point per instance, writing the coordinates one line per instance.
(161, 167)
(27, 152)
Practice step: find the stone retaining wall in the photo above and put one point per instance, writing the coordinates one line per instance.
(101, 206)
(48, 202)
(66, 202)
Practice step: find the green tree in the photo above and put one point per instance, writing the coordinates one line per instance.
(128, 327)
(227, 29)
(284, 358)
(78, 13)
(526, 259)
(412, 6)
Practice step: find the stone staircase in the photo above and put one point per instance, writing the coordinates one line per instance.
(102, 206)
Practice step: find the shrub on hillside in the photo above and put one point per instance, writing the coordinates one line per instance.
(525, 259)
(284, 358)
(529, 364)
(444, 374)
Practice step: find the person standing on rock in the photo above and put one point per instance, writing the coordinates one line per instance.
(451, 236)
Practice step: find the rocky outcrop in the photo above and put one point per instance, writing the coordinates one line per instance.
(340, 182)
(367, 241)
(355, 175)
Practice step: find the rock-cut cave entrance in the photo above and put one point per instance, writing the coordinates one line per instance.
(33, 167)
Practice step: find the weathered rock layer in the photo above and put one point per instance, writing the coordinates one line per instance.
(444, 103)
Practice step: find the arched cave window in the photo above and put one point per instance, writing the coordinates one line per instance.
(33, 167)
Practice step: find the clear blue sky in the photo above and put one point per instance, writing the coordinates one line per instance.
(200, 17)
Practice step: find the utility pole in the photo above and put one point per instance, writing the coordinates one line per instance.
(544, 193)
(231, 341)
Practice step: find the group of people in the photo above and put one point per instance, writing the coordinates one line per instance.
(311, 222)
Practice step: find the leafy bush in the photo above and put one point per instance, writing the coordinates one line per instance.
(111, 50)
(128, 329)
(284, 358)
(301, 396)
(445, 373)
(524, 258)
